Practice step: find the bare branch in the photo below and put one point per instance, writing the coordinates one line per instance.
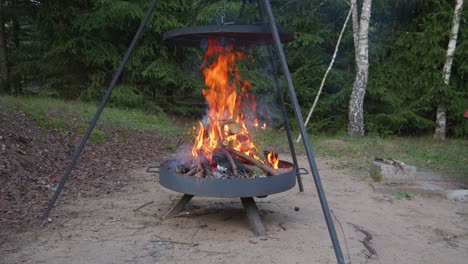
(328, 70)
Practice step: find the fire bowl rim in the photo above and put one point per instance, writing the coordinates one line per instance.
(227, 188)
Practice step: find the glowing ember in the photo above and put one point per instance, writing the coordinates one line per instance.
(229, 102)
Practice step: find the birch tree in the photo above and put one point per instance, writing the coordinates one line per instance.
(441, 119)
(361, 44)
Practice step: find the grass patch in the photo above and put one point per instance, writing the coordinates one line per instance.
(448, 157)
(42, 119)
(54, 113)
(97, 136)
(402, 195)
(270, 139)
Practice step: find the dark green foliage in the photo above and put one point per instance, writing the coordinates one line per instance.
(317, 25)
(71, 49)
(406, 84)
(80, 44)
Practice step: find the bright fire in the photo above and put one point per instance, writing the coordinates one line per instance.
(229, 105)
(273, 159)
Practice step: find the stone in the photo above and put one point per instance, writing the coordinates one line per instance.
(384, 173)
(458, 195)
(430, 176)
(419, 187)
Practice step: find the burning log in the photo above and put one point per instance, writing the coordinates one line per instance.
(205, 164)
(231, 160)
(207, 171)
(231, 127)
(192, 171)
(255, 162)
(225, 143)
(228, 162)
(253, 168)
(234, 128)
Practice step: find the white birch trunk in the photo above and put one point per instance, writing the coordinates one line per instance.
(355, 26)
(441, 119)
(356, 103)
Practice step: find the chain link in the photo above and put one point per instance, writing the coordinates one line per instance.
(223, 14)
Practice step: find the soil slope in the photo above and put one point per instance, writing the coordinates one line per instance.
(33, 159)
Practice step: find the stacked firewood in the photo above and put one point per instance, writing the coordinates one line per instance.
(227, 162)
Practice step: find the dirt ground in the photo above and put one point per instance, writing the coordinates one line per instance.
(125, 226)
(33, 159)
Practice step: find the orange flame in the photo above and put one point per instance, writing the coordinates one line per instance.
(228, 98)
(273, 159)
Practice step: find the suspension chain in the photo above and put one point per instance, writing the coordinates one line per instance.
(223, 12)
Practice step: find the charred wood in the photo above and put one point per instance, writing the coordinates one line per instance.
(255, 162)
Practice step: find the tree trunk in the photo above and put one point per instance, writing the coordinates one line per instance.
(441, 119)
(3, 53)
(356, 103)
(354, 4)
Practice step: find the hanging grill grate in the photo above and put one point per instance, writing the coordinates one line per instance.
(238, 35)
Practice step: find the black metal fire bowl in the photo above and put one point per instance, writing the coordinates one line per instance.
(227, 188)
(243, 188)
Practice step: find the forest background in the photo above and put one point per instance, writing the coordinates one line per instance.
(70, 49)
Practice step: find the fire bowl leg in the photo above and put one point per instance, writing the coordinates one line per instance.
(253, 216)
(179, 206)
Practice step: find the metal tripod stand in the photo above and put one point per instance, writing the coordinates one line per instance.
(268, 18)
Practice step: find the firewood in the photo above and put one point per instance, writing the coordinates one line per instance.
(205, 164)
(192, 171)
(207, 171)
(255, 162)
(234, 128)
(230, 127)
(225, 143)
(231, 160)
(252, 168)
(228, 156)
(199, 173)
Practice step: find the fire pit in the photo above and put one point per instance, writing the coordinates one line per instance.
(223, 160)
(243, 188)
(227, 187)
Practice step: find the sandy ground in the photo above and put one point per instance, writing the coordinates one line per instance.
(109, 229)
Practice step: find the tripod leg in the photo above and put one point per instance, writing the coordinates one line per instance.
(283, 107)
(308, 148)
(100, 108)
